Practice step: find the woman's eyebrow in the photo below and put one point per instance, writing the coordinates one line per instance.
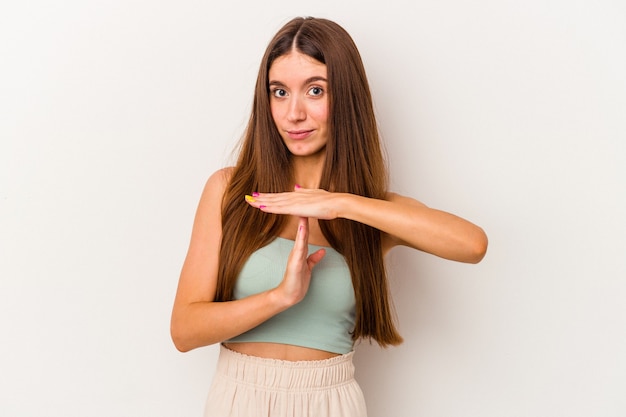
(314, 79)
(307, 81)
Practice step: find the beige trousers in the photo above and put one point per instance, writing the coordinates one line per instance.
(248, 386)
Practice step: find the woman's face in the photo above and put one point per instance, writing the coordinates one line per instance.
(299, 103)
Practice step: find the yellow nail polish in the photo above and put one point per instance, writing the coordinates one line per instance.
(250, 199)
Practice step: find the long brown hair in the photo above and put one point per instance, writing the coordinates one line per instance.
(354, 164)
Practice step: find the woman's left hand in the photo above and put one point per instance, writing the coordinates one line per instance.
(302, 202)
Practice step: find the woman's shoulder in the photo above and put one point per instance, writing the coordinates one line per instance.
(217, 182)
(399, 198)
(221, 177)
(223, 174)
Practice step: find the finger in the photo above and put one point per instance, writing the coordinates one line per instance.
(253, 201)
(315, 257)
(302, 237)
(303, 230)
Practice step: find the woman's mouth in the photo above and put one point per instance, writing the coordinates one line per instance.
(299, 134)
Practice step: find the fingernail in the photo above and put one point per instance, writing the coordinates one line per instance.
(250, 199)
(255, 194)
(262, 206)
(298, 186)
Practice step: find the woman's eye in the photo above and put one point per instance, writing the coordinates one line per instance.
(316, 91)
(279, 92)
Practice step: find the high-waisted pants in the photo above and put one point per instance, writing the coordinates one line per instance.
(249, 386)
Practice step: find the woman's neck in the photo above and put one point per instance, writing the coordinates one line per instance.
(308, 170)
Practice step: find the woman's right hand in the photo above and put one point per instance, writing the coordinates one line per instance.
(297, 278)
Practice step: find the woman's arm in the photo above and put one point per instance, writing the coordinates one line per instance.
(409, 222)
(197, 320)
(404, 221)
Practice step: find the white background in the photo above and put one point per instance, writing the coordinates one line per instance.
(511, 114)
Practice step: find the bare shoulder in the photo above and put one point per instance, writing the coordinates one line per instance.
(216, 183)
(209, 208)
(399, 198)
(220, 178)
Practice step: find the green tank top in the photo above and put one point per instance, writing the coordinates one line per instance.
(323, 320)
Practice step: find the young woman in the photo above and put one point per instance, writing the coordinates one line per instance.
(285, 268)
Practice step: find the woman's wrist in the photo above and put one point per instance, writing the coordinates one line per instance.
(343, 203)
(277, 299)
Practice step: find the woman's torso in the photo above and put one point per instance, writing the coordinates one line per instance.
(280, 350)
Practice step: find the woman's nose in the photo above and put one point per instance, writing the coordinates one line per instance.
(296, 111)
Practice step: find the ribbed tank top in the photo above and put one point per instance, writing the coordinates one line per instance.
(323, 320)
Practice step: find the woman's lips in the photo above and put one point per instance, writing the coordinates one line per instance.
(299, 134)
